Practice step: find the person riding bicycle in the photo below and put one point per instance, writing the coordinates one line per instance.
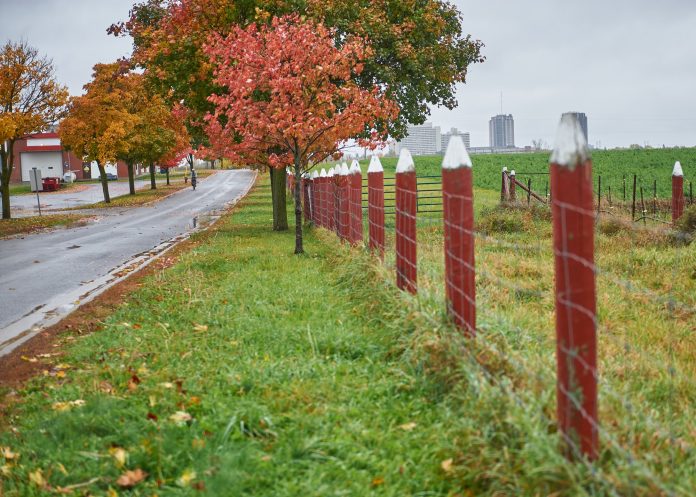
(194, 176)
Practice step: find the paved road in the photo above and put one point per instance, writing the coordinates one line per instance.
(25, 205)
(42, 276)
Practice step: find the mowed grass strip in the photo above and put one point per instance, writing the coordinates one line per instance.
(32, 224)
(242, 370)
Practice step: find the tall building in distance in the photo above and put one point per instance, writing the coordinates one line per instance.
(466, 137)
(501, 131)
(582, 119)
(422, 139)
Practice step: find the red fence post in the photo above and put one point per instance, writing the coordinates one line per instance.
(306, 190)
(576, 325)
(458, 216)
(313, 196)
(512, 195)
(321, 202)
(677, 192)
(356, 216)
(375, 202)
(331, 199)
(406, 205)
(344, 201)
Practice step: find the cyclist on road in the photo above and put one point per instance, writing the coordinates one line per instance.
(194, 176)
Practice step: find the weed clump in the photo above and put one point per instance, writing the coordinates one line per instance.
(501, 219)
(685, 227)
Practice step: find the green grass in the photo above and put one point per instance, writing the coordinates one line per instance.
(311, 375)
(25, 225)
(611, 165)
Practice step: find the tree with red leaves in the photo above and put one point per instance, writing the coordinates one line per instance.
(291, 97)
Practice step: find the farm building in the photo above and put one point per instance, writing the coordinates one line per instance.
(45, 152)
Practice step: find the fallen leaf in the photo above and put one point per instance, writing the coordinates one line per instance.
(8, 454)
(186, 478)
(120, 455)
(62, 469)
(62, 366)
(60, 374)
(106, 387)
(136, 326)
(267, 457)
(198, 443)
(129, 479)
(377, 481)
(180, 417)
(408, 426)
(5, 470)
(194, 401)
(446, 465)
(167, 385)
(37, 478)
(29, 359)
(200, 327)
(66, 406)
(152, 416)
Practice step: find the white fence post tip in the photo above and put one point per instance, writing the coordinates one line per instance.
(456, 155)
(571, 147)
(504, 169)
(405, 163)
(677, 171)
(330, 173)
(512, 173)
(344, 170)
(322, 174)
(375, 165)
(355, 167)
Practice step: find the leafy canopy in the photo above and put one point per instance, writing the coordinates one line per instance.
(419, 52)
(290, 94)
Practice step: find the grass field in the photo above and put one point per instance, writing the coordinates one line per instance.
(245, 370)
(612, 165)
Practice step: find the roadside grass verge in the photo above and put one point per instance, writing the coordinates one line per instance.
(26, 225)
(245, 370)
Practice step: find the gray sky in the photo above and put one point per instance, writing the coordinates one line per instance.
(630, 65)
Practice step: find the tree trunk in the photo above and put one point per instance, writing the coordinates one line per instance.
(5, 173)
(153, 184)
(104, 182)
(298, 207)
(167, 176)
(279, 199)
(131, 178)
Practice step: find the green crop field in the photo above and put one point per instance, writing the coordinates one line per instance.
(612, 165)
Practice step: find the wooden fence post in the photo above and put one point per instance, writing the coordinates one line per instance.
(321, 203)
(504, 186)
(375, 205)
(356, 217)
(458, 215)
(677, 192)
(406, 208)
(306, 190)
(513, 193)
(331, 199)
(576, 327)
(344, 203)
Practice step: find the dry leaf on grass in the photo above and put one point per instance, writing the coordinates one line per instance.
(180, 417)
(37, 478)
(129, 479)
(120, 455)
(446, 465)
(186, 478)
(200, 327)
(66, 406)
(408, 426)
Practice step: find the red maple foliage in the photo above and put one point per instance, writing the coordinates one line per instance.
(291, 99)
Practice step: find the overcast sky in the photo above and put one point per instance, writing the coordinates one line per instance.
(630, 65)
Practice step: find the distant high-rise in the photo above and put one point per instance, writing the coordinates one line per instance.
(423, 139)
(582, 119)
(501, 131)
(466, 137)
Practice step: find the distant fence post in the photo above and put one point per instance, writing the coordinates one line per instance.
(406, 208)
(513, 194)
(576, 327)
(677, 192)
(343, 203)
(458, 215)
(321, 203)
(375, 205)
(306, 190)
(331, 199)
(504, 186)
(356, 217)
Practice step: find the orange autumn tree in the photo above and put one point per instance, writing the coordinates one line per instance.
(100, 122)
(30, 101)
(291, 97)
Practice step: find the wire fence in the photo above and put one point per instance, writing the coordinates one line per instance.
(553, 288)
